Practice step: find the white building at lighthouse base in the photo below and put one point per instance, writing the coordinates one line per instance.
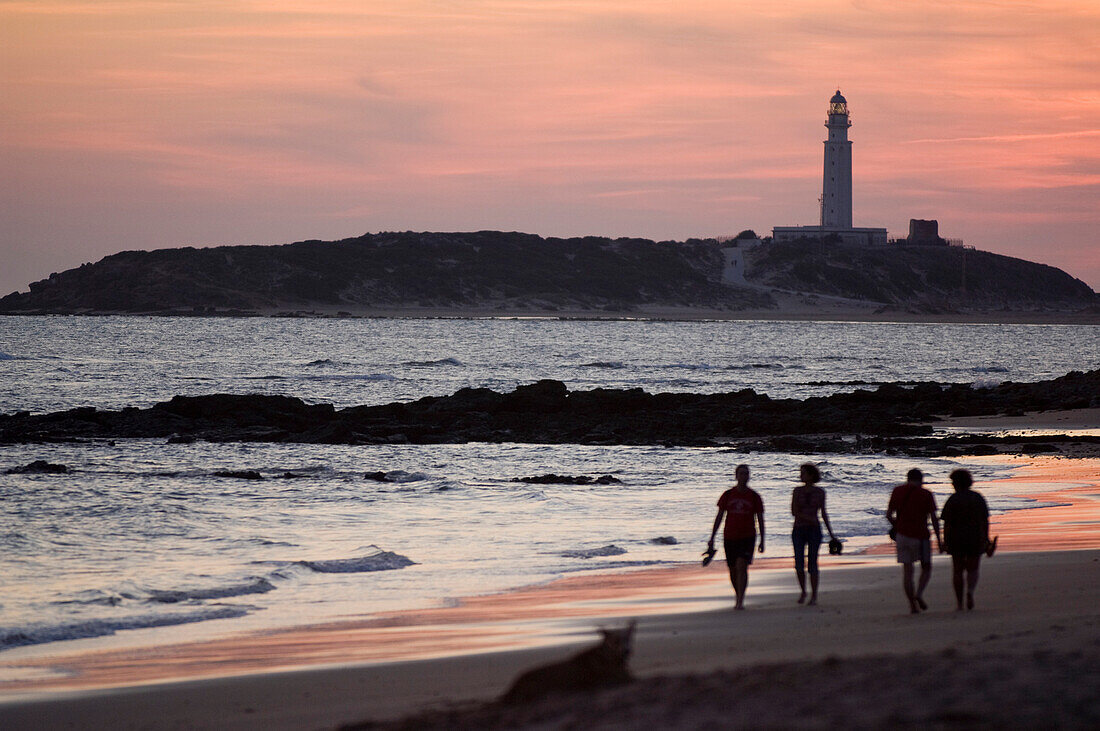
(852, 236)
(836, 189)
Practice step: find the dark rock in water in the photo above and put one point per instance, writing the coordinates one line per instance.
(240, 474)
(547, 412)
(252, 409)
(552, 479)
(40, 467)
(376, 476)
(545, 396)
(664, 541)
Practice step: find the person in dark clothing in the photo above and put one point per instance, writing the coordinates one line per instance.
(807, 501)
(966, 535)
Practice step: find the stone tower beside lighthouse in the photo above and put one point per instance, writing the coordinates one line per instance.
(836, 188)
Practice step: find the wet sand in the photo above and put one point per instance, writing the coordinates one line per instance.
(1054, 420)
(1038, 595)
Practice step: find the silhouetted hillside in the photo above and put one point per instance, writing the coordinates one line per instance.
(945, 278)
(492, 270)
(438, 270)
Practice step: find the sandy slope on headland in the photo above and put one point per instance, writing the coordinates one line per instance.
(1029, 654)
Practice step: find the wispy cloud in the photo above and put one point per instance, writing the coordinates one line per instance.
(1009, 137)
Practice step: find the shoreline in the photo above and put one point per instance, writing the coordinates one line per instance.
(855, 314)
(861, 622)
(471, 651)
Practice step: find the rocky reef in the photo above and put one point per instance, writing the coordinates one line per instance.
(548, 412)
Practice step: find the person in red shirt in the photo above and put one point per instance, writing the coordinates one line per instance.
(910, 507)
(739, 505)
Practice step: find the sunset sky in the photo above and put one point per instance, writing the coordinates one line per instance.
(127, 124)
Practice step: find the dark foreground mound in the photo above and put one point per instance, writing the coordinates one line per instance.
(547, 412)
(947, 690)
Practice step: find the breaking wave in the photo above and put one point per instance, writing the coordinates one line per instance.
(608, 550)
(257, 585)
(37, 634)
(381, 561)
(432, 363)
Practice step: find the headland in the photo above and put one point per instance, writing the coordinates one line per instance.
(510, 274)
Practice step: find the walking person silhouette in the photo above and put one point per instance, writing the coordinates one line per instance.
(910, 507)
(965, 535)
(807, 502)
(739, 505)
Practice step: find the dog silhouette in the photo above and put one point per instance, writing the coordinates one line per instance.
(601, 666)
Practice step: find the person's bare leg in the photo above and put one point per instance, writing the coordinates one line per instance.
(973, 569)
(742, 573)
(957, 566)
(800, 570)
(813, 587)
(907, 584)
(925, 577)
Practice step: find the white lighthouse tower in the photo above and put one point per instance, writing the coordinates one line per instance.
(836, 188)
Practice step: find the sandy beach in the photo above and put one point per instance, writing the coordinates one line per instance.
(790, 306)
(1027, 655)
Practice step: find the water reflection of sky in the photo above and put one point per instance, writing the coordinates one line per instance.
(989, 432)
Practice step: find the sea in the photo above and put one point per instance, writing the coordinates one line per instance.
(142, 543)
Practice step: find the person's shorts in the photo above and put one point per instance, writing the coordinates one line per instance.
(966, 546)
(911, 550)
(739, 548)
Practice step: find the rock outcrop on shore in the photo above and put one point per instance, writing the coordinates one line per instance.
(548, 412)
(508, 272)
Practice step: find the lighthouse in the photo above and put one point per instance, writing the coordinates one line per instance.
(835, 222)
(836, 187)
